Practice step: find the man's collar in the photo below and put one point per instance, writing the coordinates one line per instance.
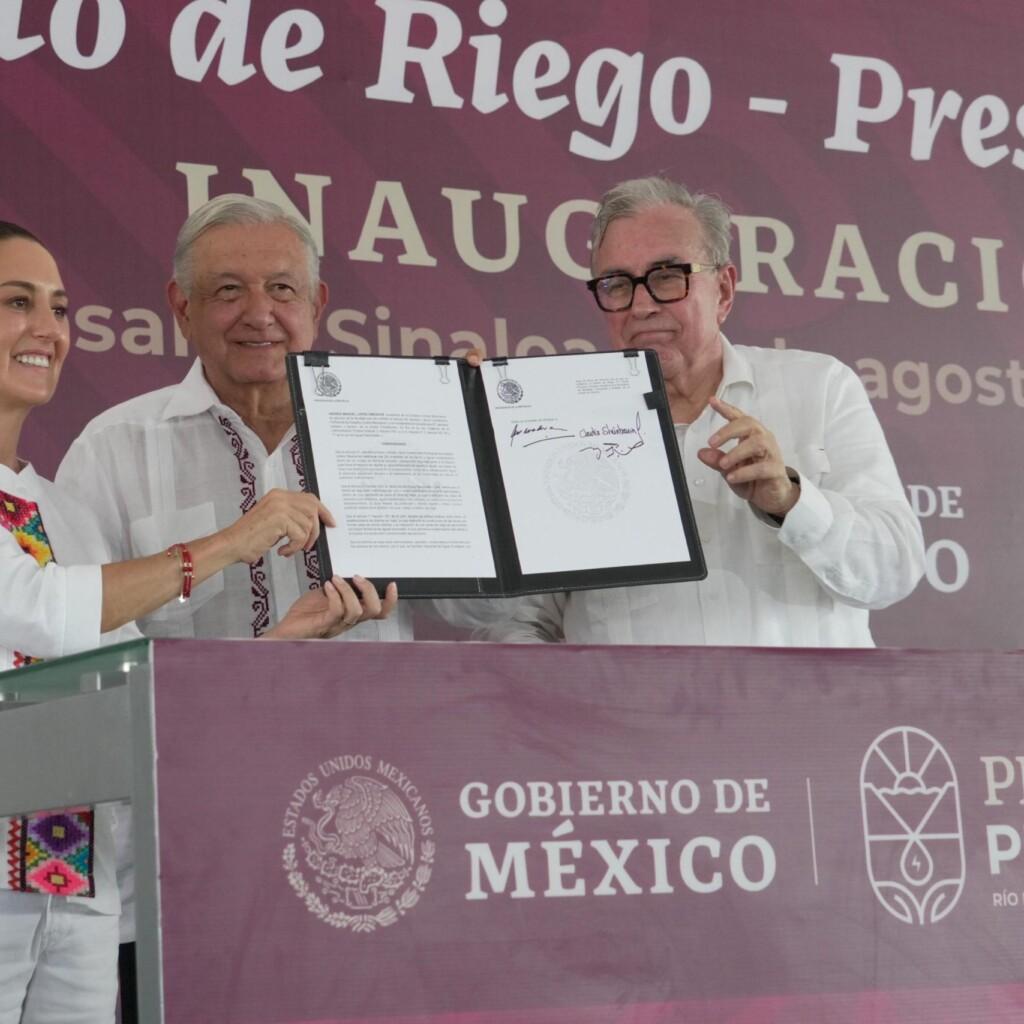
(193, 396)
(736, 368)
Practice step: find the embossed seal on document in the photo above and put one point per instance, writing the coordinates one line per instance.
(510, 391)
(327, 384)
(584, 486)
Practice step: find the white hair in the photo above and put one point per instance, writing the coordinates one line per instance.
(629, 198)
(237, 209)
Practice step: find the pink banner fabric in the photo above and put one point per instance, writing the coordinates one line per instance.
(459, 833)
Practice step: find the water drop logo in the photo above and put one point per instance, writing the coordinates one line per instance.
(913, 831)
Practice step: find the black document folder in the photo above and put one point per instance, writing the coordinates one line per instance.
(520, 476)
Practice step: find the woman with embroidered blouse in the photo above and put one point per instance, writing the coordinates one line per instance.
(59, 904)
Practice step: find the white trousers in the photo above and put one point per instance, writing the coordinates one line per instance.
(58, 961)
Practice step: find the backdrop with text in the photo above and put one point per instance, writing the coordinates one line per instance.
(447, 157)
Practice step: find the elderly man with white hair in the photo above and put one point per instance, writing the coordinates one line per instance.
(185, 460)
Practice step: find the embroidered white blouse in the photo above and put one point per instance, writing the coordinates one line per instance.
(53, 611)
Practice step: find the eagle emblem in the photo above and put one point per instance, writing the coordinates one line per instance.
(363, 846)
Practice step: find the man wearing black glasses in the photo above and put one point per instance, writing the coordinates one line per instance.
(800, 509)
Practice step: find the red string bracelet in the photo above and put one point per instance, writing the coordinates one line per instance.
(184, 557)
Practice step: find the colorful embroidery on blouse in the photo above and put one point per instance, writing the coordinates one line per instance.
(51, 853)
(22, 520)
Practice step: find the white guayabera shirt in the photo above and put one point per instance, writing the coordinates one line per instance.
(851, 543)
(177, 464)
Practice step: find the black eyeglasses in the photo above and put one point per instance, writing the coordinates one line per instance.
(667, 283)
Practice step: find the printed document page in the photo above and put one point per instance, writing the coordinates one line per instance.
(586, 472)
(394, 464)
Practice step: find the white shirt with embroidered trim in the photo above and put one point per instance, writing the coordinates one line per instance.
(850, 544)
(176, 464)
(53, 611)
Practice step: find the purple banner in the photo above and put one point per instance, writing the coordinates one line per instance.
(447, 156)
(462, 833)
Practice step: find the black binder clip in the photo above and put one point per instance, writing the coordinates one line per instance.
(315, 358)
(500, 361)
